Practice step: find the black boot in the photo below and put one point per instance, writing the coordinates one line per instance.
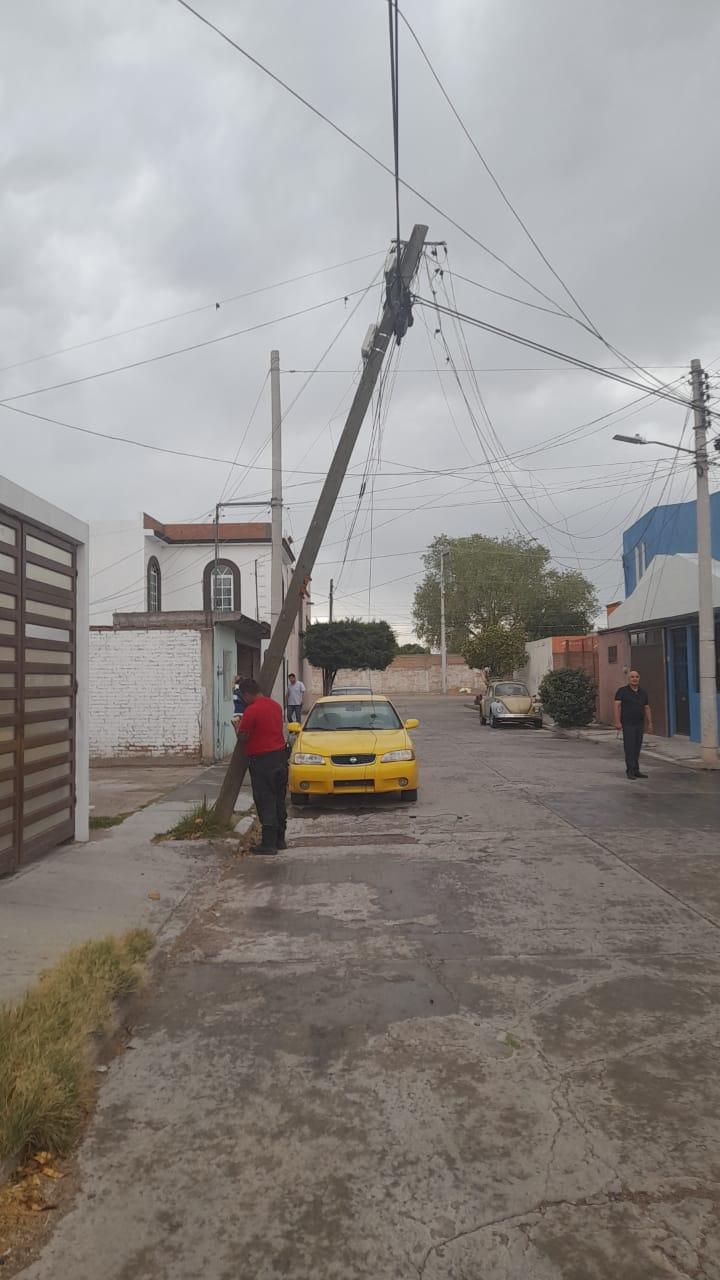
(281, 840)
(268, 844)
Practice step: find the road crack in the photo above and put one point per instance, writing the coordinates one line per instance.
(597, 1200)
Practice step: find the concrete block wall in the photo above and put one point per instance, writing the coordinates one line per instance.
(146, 694)
(408, 674)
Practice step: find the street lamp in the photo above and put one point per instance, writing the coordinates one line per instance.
(706, 615)
(679, 448)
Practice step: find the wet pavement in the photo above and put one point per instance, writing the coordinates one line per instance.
(472, 1038)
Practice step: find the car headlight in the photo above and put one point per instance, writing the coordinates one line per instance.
(499, 709)
(397, 755)
(307, 757)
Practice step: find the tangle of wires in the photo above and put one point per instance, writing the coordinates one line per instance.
(373, 459)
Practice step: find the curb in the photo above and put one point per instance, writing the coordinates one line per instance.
(579, 735)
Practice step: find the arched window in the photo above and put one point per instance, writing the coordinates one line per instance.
(221, 587)
(154, 591)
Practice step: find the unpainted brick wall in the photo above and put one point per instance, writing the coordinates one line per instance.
(146, 694)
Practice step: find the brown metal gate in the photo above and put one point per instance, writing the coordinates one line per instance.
(37, 690)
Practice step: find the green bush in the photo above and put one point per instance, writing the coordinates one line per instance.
(569, 697)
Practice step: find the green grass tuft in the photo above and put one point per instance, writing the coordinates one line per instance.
(199, 823)
(46, 1058)
(100, 824)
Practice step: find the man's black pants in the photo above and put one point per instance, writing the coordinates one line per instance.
(269, 775)
(632, 741)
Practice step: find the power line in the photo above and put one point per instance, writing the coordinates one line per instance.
(590, 324)
(181, 315)
(503, 194)
(509, 297)
(530, 368)
(245, 434)
(180, 351)
(395, 93)
(139, 444)
(359, 146)
(603, 371)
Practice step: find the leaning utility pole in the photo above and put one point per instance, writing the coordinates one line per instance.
(706, 615)
(331, 600)
(396, 318)
(276, 509)
(443, 638)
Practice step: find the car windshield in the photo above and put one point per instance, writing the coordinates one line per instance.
(509, 690)
(334, 717)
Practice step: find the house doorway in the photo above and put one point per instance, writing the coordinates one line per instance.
(681, 682)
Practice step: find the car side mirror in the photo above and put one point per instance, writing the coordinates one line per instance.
(412, 724)
(293, 727)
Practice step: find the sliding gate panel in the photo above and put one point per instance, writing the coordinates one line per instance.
(10, 691)
(37, 690)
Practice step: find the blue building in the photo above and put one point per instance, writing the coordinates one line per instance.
(665, 531)
(655, 632)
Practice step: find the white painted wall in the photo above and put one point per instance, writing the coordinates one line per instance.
(146, 694)
(539, 662)
(120, 550)
(34, 508)
(182, 569)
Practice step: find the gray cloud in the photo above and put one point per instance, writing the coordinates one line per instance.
(148, 169)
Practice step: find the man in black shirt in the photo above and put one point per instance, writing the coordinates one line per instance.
(633, 716)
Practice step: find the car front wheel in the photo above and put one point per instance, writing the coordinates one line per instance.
(410, 796)
(493, 723)
(299, 798)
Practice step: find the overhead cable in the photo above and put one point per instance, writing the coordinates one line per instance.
(181, 351)
(191, 311)
(661, 391)
(366, 152)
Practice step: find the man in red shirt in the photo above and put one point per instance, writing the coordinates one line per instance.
(262, 731)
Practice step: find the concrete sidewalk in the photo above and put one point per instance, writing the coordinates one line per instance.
(676, 750)
(84, 891)
(124, 788)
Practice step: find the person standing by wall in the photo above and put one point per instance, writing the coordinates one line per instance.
(238, 704)
(634, 717)
(262, 731)
(294, 698)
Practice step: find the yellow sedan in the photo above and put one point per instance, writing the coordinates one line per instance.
(353, 746)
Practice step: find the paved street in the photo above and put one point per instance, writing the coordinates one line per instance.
(475, 1038)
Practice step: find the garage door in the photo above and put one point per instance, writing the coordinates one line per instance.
(37, 690)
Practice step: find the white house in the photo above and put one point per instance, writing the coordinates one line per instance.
(176, 610)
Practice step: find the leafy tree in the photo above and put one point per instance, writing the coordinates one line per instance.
(566, 606)
(411, 648)
(568, 695)
(499, 580)
(502, 649)
(349, 644)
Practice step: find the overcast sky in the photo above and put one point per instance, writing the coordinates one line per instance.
(149, 169)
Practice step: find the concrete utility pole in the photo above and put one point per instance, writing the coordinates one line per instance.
(396, 318)
(330, 605)
(276, 509)
(443, 638)
(706, 615)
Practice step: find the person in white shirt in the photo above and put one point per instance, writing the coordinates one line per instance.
(294, 698)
